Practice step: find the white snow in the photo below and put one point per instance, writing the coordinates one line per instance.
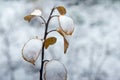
(94, 47)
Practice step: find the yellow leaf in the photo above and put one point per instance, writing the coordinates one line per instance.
(49, 41)
(66, 44)
(28, 17)
(61, 10)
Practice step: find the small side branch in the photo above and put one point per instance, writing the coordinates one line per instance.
(51, 31)
(43, 19)
(54, 16)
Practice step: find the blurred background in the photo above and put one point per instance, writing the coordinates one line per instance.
(94, 48)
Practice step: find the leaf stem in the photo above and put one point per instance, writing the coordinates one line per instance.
(45, 35)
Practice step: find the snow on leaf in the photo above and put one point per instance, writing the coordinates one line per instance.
(61, 10)
(54, 70)
(66, 24)
(49, 41)
(35, 13)
(31, 50)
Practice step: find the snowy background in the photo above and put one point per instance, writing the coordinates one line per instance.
(94, 51)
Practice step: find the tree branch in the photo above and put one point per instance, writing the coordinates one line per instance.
(45, 35)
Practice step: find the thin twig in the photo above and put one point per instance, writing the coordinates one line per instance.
(54, 16)
(51, 31)
(43, 19)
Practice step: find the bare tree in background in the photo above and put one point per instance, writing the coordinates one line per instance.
(95, 66)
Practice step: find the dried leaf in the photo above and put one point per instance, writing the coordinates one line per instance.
(53, 72)
(35, 13)
(31, 50)
(66, 44)
(28, 17)
(60, 31)
(49, 41)
(44, 69)
(61, 10)
(66, 24)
